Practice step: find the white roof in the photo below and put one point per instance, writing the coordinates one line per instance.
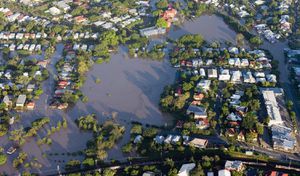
(186, 168)
(272, 107)
(224, 173)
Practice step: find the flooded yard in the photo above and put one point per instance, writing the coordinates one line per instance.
(211, 27)
(129, 88)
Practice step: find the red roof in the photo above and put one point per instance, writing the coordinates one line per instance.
(31, 105)
(63, 83)
(80, 19)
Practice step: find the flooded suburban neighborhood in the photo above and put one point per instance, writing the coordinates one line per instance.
(130, 87)
(149, 87)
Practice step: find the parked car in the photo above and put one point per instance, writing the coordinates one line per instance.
(11, 150)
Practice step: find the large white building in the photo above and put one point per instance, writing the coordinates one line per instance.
(272, 107)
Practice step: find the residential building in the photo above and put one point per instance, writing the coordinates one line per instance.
(197, 112)
(283, 138)
(185, 169)
(151, 31)
(21, 101)
(234, 166)
(224, 172)
(148, 173)
(199, 143)
(54, 11)
(212, 73)
(236, 76)
(6, 100)
(204, 84)
(224, 75)
(272, 107)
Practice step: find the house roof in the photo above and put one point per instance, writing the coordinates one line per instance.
(21, 99)
(199, 142)
(186, 168)
(197, 110)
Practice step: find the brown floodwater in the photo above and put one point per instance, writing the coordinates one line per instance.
(129, 87)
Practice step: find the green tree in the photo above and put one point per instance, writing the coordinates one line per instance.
(240, 40)
(3, 159)
(136, 129)
(249, 121)
(259, 128)
(17, 136)
(109, 172)
(162, 4)
(127, 148)
(198, 171)
(289, 105)
(256, 41)
(161, 23)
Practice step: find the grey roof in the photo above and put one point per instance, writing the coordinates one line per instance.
(197, 110)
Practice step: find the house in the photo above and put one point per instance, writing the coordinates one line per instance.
(212, 73)
(199, 143)
(204, 84)
(244, 63)
(6, 100)
(151, 31)
(54, 11)
(148, 173)
(202, 72)
(234, 117)
(236, 76)
(271, 78)
(210, 174)
(8, 74)
(197, 112)
(233, 50)
(234, 62)
(21, 101)
(259, 2)
(80, 19)
(259, 74)
(202, 124)
(169, 16)
(248, 78)
(260, 80)
(224, 172)
(30, 105)
(175, 139)
(32, 47)
(241, 136)
(137, 139)
(198, 96)
(243, 14)
(63, 5)
(168, 139)
(30, 87)
(185, 169)
(43, 63)
(209, 62)
(234, 165)
(224, 75)
(159, 139)
(275, 173)
(230, 132)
